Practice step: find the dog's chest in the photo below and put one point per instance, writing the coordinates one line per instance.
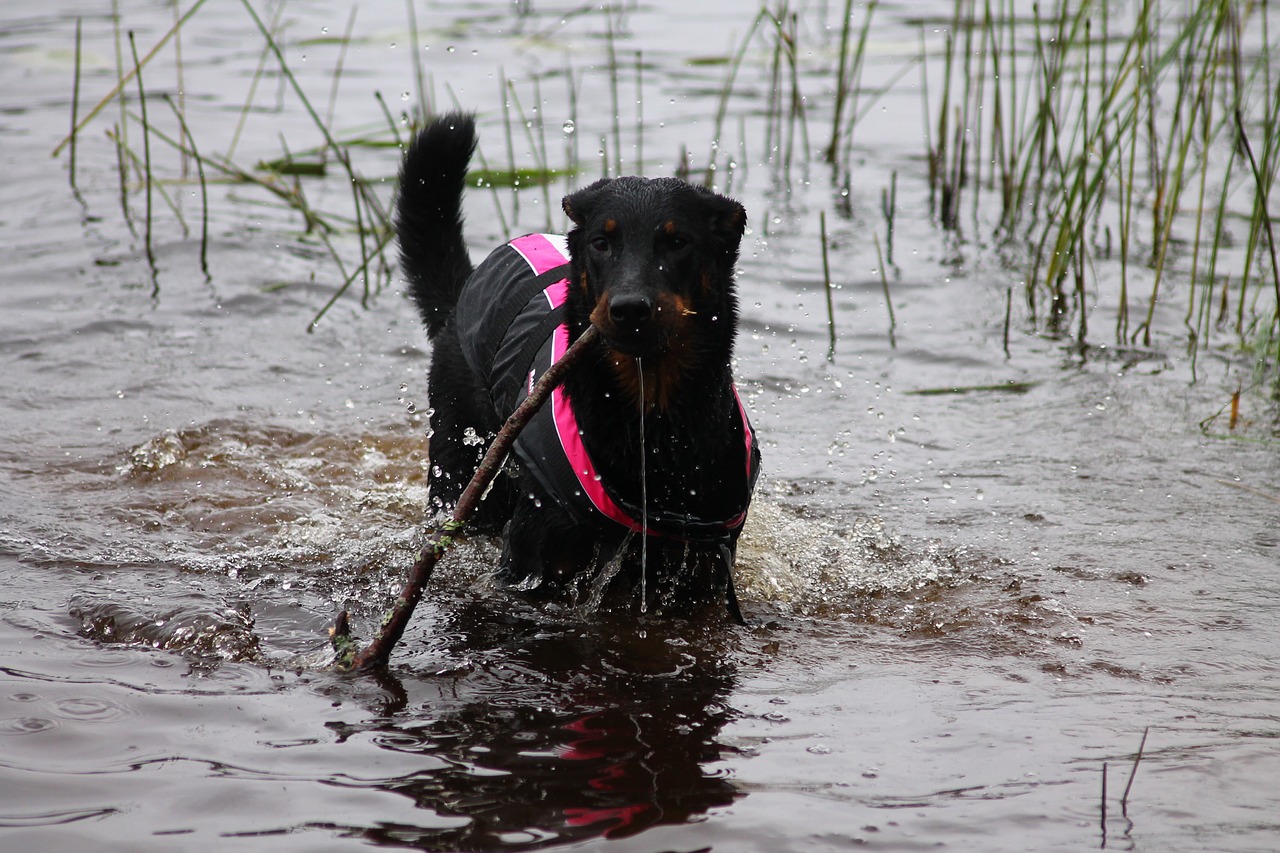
(695, 481)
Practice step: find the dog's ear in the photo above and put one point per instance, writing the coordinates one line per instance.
(578, 206)
(728, 219)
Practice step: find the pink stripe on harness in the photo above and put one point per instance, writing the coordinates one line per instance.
(544, 252)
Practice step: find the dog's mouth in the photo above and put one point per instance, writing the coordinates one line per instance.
(644, 341)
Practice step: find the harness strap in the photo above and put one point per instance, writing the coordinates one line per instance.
(508, 384)
(520, 298)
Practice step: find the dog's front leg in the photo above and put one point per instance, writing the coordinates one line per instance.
(543, 547)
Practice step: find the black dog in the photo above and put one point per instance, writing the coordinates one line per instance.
(634, 481)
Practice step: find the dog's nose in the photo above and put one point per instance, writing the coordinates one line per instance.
(630, 310)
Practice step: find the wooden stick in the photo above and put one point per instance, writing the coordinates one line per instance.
(350, 658)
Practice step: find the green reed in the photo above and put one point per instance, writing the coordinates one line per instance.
(130, 161)
(75, 109)
(420, 86)
(826, 287)
(848, 77)
(612, 14)
(1113, 151)
(125, 75)
(1083, 132)
(734, 65)
(204, 187)
(884, 287)
(146, 149)
(264, 56)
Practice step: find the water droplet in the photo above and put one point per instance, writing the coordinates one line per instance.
(568, 126)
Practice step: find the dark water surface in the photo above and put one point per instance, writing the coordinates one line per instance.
(963, 606)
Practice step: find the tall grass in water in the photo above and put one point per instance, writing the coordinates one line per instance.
(848, 77)
(1101, 135)
(146, 147)
(1126, 153)
(366, 217)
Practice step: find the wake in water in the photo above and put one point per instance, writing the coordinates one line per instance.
(239, 542)
(805, 564)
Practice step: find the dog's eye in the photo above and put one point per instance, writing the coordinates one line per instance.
(677, 242)
(600, 243)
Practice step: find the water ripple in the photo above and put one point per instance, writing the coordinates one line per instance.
(26, 725)
(89, 709)
(108, 658)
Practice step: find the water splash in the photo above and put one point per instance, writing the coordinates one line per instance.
(808, 565)
(158, 453)
(605, 573)
(197, 625)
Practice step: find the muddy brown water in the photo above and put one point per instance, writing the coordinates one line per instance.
(963, 606)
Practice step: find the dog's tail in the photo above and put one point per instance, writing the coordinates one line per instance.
(433, 254)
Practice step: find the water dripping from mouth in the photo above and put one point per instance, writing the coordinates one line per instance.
(644, 501)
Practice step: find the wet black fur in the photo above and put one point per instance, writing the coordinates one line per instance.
(668, 239)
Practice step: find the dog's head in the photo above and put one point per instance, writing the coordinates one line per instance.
(653, 265)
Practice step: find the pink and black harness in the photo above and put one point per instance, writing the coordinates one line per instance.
(511, 323)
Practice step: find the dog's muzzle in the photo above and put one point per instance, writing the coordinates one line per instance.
(632, 326)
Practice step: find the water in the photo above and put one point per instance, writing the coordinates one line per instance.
(961, 605)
